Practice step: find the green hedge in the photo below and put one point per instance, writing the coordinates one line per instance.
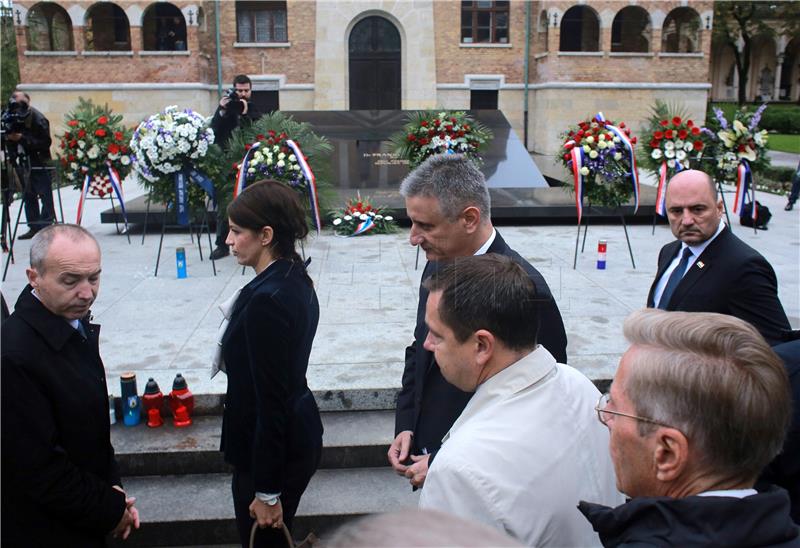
(778, 118)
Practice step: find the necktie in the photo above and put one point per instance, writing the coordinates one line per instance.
(674, 279)
(82, 330)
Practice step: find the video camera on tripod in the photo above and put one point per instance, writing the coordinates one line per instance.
(13, 117)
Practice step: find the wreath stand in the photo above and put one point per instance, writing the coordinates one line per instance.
(203, 226)
(586, 229)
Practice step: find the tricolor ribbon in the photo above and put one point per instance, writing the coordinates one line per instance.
(661, 193)
(578, 158)
(629, 146)
(744, 184)
(241, 176)
(364, 226)
(183, 177)
(312, 182)
(116, 185)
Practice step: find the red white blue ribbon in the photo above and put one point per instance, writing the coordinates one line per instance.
(744, 184)
(116, 185)
(312, 183)
(632, 157)
(661, 193)
(578, 158)
(364, 226)
(241, 176)
(84, 192)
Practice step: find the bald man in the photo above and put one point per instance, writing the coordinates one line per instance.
(708, 269)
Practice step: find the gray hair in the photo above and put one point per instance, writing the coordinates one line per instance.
(714, 378)
(40, 244)
(454, 181)
(430, 528)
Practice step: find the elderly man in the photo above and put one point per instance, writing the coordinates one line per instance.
(60, 481)
(527, 446)
(448, 204)
(708, 269)
(699, 404)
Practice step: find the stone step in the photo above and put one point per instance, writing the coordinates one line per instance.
(351, 440)
(352, 399)
(197, 509)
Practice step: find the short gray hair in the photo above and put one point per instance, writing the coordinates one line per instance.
(454, 181)
(714, 378)
(40, 244)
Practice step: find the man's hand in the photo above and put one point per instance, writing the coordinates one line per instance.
(417, 472)
(223, 103)
(244, 108)
(14, 137)
(266, 515)
(129, 519)
(399, 450)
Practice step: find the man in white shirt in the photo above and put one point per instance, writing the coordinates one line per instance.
(527, 446)
(707, 268)
(699, 405)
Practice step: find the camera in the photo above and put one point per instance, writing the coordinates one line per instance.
(235, 106)
(13, 118)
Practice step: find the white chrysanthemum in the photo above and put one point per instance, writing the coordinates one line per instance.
(363, 216)
(337, 222)
(81, 144)
(669, 153)
(593, 154)
(125, 160)
(679, 143)
(687, 146)
(590, 139)
(281, 163)
(669, 145)
(73, 166)
(584, 171)
(601, 144)
(656, 154)
(586, 148)
(389, 218)
(378, 217)
(680, 155)
(348, 218)
(618, 156)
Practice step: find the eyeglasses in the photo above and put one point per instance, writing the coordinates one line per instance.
(602, 413)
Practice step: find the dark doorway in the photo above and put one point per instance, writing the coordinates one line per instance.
(266, 100)
(483, 99)
(374, 48)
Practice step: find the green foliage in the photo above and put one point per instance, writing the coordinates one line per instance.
(671, 136)
(784, 143)
(272, 130)
(9, 64)
(779, 117)
(436, 132)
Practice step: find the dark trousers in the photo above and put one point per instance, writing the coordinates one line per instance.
(298, 474)
(39, 186)
(793, 194)
(222, 229)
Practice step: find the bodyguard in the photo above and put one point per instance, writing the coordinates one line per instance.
(60, 481)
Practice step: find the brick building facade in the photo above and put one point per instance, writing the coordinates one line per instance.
(582, 57)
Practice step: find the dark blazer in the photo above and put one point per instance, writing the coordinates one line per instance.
(270, 416)
(427, 404)
(225, 121)
(729, 277)
(58, 465)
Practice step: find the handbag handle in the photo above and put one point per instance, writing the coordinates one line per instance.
(287, 535)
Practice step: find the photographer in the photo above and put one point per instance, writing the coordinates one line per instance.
(234, 107)
(27, 135)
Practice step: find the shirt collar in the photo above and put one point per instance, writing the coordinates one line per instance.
(487, 244)
(73, 323)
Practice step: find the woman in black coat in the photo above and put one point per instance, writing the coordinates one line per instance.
(271, 428)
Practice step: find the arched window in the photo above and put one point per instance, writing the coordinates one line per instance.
(163, 28)
(631, 30)
(681, 32)
(107, 28)
(580, 30)
(49, 28)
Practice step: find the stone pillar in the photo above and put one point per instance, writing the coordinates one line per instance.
(776, 95)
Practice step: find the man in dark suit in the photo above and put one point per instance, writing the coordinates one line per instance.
(60, 481)
(708, 269)
(448, 204)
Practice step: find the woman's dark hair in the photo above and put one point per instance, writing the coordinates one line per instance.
(273, 204)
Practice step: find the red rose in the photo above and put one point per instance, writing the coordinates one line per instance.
(248, 146)
(113, 148)
(71, 157)
(682, 134)
(676, 121)
(103, 120)
(119, 136)
(621, 124)
(634, 140)
(270, 141)
(654, 143)
(461, 133)
(658, 134)
(431, 133)
(664, 123)
(282, 135)
(67, 135)
(695, 130)
(698, 145)
(123, 149)
(424, 123)
(235, 166)
(100, 132)
(689, 123)
(436, 122)
(72, 123)
(73, 143)
(260, 137)
(81, 134)
(566, 156)
(668, 134)
(466, 127)
(271, 133)
(579, 134)
(569, 146)
(411, 137)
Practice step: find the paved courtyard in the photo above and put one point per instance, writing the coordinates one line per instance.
(367, 287)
